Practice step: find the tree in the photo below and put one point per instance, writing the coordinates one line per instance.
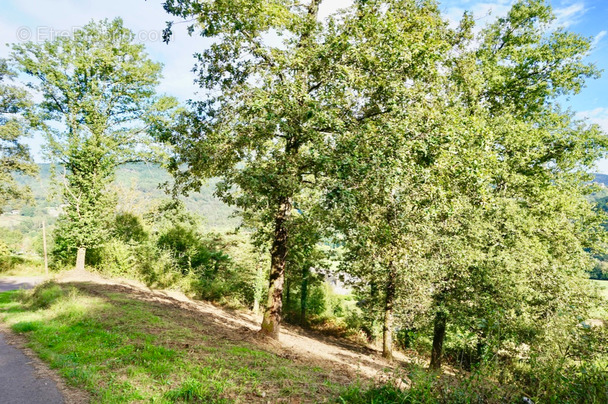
(521, 209)
(383, 175)
(276, 108)
(98, 90)
(14, 155)
(262, 125)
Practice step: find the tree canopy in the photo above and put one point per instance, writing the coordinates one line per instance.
(15, 157)
(98, 107)
(425, 142)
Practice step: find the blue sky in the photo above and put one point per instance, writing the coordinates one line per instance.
(42, 19)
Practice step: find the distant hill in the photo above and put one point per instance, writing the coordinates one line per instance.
(601, 179)
(139, 188)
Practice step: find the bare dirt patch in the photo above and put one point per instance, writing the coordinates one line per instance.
(347, 360)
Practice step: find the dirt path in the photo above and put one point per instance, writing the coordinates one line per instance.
(295, 343)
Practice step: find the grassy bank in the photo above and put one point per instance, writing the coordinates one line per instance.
(122, 345)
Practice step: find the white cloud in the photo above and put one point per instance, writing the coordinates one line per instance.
(598, 116)
(598, 38)
(487, 12)
(45, 19)
(569, 15)
(483, 12)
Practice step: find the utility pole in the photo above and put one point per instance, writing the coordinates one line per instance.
(46, 260)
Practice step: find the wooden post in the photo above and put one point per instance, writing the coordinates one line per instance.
(46, 260)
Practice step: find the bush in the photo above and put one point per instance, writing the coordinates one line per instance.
(462, 348)
(421, 386)
(406, 338)
(43, 296)
(129, 228)
(556, 382)
(600, 270)
(117, 258)
(4, 250)
(19, 263)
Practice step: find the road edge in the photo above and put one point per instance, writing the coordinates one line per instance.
(71, 394)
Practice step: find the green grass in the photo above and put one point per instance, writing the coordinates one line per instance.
(120, 347)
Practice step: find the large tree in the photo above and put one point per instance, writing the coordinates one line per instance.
(283, 87)
(15, 157)
(386, 174)
(98, 103)
(262, 126)
(520, 184)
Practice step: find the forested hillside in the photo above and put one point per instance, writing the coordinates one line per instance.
(601, 179)
(140, 186)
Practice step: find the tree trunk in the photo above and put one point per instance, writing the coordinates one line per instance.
(278, 256)
(438, 338)
(387, 329)
(80, 255)
(304, 293)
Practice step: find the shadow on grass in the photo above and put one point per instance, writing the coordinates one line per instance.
(123, 344)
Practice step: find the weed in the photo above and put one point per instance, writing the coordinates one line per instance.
(26, 326)
(193, 391)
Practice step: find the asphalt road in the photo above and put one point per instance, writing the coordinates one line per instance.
(19, 382)
(13, 283)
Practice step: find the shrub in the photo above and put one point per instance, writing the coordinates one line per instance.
(406, 337)
(21, 264)
(4, 250)
(421, 386)
(118, 258)
(43, 296)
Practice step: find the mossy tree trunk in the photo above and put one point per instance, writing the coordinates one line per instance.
(278, 258)
(80, 258)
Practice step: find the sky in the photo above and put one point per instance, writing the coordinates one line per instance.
(39, 20)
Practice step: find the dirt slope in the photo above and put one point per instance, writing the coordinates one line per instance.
(352, 360)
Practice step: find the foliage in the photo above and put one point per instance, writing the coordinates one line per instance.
(271, 109)
(4, 251)
(585, 383)
(98, 90)
(515, 201)
(600, 268)
(430, 167)
(166, 248)
(420, 386)
(14, 155)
